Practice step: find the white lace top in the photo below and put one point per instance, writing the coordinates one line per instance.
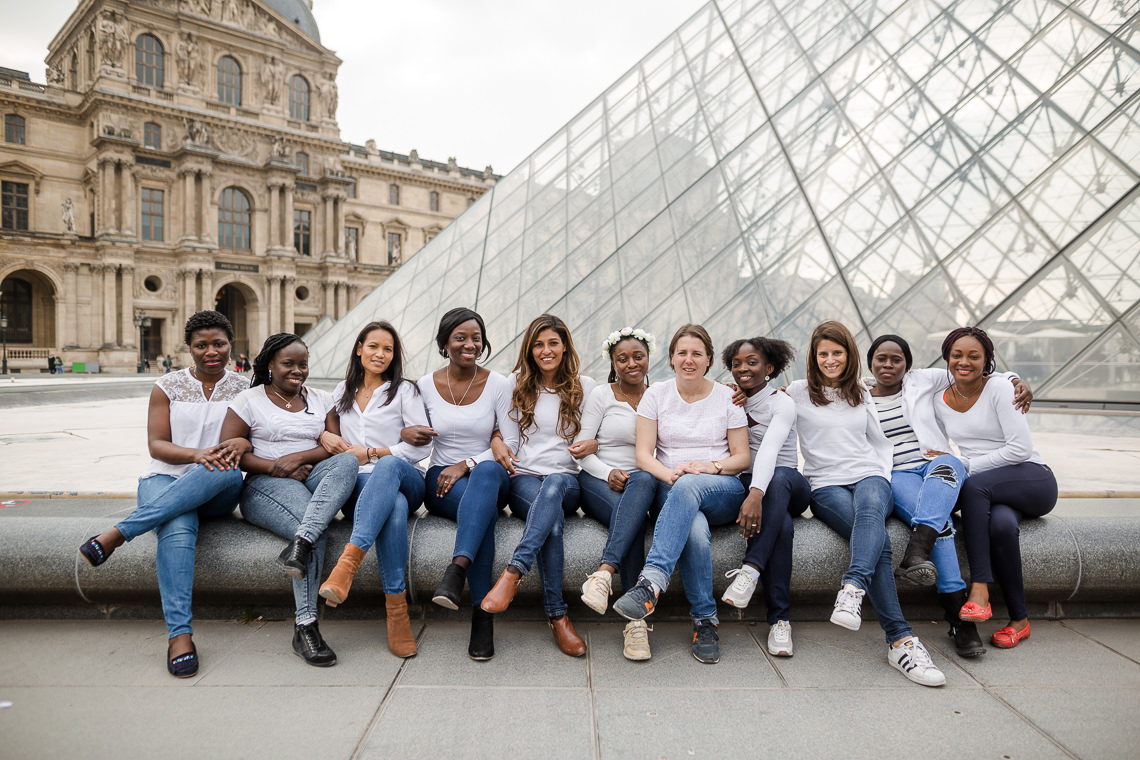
(195, 421)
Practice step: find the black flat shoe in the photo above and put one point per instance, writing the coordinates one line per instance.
(184, 665)
(294, 558)
(93, 552)
(482, 644)
(451, 587)
(308, 643)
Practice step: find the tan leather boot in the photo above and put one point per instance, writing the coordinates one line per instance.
(335, 589)
(401, 642)
(502, 593)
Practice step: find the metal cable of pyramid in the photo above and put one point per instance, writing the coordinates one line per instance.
(903, 166)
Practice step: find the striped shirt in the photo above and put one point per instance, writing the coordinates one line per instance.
(907, 452)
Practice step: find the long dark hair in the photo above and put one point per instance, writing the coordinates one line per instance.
(849, 388)
(567, 384)
(354, 374)
(269, 349)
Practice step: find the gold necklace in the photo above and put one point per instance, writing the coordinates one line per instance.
(628, 400)
(288, 402)
(207, 388)
(447, 374)
(961, 395)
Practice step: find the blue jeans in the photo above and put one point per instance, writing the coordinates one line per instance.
(171, 507)
(926, 495)
(379, 508)
(473, 502)
(682, 537)
(279, 506)
(770, 550)
(859, 512)
(328, 496)
(624, 514)
(544, 502)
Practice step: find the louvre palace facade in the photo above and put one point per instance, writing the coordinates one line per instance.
(185, 154)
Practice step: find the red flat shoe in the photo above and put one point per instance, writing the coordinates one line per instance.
(975, 613)
(1007, 637)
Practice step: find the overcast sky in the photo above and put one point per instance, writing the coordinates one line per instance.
(486, 81)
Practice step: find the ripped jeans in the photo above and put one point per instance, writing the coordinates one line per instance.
(925, 495)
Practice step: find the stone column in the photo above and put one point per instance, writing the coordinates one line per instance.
(207, 294)
(187, 296)
(127, 307)
(287, 297)
(287, 217)
(338, 222)
(326, 225)
(274, 214)
(109, 327)
(70, 297)
(106, 196)
(90, 311)
(273, 303)
(129, 212)
(205, 234)
(189, 225)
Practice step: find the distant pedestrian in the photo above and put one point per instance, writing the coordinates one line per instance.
(51, 364)
(167, 365)
(59, 365)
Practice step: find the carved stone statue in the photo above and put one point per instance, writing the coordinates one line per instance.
(350, 247)
(113, 39)
(452, 164)
(370, 146)
(333, 166)
(488, 172)
(272, 80)
(55, 75)
(280, 150)
(201, 7)
(395, 254)
(67, 212)
(189, 59)
(230, 14)
(196, 132)
(329, 96)
(414, 156)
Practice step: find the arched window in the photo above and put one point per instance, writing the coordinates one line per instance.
(229, 81)
(234, 219)
(302, 160)
(152, 135)
(148, 61)
(14, 129)
(433, 201)
(18, 309)
(91, 57)
(298, 98)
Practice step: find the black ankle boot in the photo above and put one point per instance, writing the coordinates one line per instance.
(294, 558)
(965, 634)
(482, 644)
(309, 644)
(916, 566)
(451, 587)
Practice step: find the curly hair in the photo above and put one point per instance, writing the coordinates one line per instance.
(692, 331)
(613, 370)
(849, 388)
(778, 353)
(269, 349)
(977, 334)
(453, 319)
(567, 384)
(354, 374)
(902, 344)
(208, 320)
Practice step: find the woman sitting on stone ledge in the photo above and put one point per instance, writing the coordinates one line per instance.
(374, 403)
(294, 488)
(545, 415)
(1008, 481)
(190, 475)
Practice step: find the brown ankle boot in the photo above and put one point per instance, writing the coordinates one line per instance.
(503, 592)
(401, 642)
(335, 589)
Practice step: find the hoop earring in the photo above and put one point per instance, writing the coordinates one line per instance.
(443, 352)
(767, 378)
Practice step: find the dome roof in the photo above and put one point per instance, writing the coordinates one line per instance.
(298, 13)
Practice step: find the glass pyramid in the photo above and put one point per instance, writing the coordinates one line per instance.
(904, 166)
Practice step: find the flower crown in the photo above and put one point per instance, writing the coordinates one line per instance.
(627, 332)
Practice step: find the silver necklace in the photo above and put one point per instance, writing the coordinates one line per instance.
(447, 374)
(206, 388)
(961, 395)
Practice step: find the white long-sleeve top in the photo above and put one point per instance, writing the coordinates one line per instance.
(772, 438)
(544, 451)
(465, 431)
(613, 424)
(696, 432)
(992, 433)
(841, 444)
(379, 425)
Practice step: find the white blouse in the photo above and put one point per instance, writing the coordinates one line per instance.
(275, 432)
(379, 424)
(691, 432)
(465, 431)
(544, 451)
(195, 421)
(613, 424)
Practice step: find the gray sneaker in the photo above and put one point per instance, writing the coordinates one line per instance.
(636, 640)
(705, 642)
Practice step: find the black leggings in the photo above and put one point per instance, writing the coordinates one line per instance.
(993, 503)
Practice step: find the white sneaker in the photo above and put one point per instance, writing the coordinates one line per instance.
(596, 590)
(780, 639)
(636, 635)
(914, 661)
(740, 592)
(846, 613)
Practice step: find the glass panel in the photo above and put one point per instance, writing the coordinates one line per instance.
(959, 207)
(1110, 14)
(1108, 371)
(1104, 82)
(1110, 258)
(931, 309)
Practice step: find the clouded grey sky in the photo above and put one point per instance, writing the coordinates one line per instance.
(486, 81)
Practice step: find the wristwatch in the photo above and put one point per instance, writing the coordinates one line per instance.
(719, 468)
(373, 457)
(470, 462)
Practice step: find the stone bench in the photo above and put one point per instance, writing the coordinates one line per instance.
(1074, 565)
